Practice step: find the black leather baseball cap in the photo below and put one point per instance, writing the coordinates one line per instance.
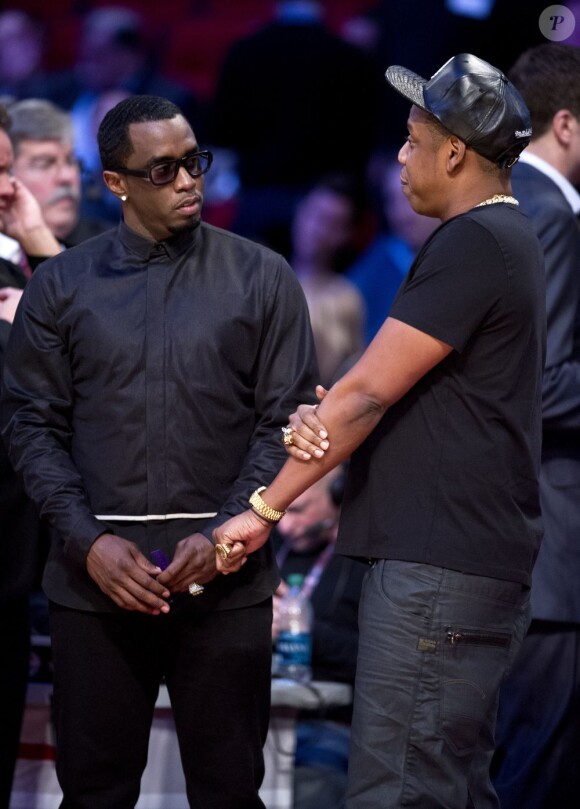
(474, 101)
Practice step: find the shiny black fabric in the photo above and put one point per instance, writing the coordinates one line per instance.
(151, 378)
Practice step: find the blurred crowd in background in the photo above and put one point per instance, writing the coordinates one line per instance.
(291, 99)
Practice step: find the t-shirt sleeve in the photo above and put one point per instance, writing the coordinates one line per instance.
(456, 280)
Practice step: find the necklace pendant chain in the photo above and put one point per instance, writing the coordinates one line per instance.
(498, 198)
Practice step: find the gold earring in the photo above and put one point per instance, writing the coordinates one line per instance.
(124, 197)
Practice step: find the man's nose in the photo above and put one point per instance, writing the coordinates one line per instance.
(184, 178)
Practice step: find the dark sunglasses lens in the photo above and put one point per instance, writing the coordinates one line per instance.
(195, 164)
(163, 173)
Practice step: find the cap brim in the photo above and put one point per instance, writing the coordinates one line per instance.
(408, 84)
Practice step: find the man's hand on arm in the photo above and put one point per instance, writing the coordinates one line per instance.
(310, 437)
(126, 576)
(396, 359)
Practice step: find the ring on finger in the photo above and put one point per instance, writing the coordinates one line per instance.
(287, 436)
(223, 550)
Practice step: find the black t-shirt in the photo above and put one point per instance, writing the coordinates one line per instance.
(449, 476)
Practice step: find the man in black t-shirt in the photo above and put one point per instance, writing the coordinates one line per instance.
(442, 416)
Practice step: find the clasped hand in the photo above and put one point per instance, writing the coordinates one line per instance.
(134, 583)
(244, 534)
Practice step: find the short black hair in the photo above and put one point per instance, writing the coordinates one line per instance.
(548, 77)
(114, 141)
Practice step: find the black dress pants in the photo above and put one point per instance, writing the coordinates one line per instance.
(107, 670)
(15, 634)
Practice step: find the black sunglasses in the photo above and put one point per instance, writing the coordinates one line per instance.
(195, 164)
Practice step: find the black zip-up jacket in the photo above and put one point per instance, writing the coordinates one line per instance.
(147, 381)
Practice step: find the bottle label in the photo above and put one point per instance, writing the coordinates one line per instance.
(294, 649)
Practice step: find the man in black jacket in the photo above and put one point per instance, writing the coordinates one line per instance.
(130, 357)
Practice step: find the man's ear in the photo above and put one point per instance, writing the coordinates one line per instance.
(564, 124)
(455, 153)
(115, 182)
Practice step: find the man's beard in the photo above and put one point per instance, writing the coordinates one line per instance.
(186, 227)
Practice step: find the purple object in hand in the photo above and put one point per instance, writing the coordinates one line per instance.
(159, 559)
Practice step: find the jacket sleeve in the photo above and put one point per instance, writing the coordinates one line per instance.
(37, 403)
(560, 238)
(286, 376)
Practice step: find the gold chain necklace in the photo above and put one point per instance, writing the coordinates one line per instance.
(497, 198)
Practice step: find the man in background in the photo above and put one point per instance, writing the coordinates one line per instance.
(284, 96)
(20, 530)
(22, 52)
(46, 161)
(536, 765)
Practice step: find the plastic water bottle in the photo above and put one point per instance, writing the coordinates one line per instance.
(294, 643)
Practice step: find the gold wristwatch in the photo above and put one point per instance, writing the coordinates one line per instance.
(263, 509)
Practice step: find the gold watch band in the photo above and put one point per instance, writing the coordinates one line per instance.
(263, 509)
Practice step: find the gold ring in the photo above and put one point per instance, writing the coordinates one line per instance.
(288, 436)
(195, 589)
(223, 550)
